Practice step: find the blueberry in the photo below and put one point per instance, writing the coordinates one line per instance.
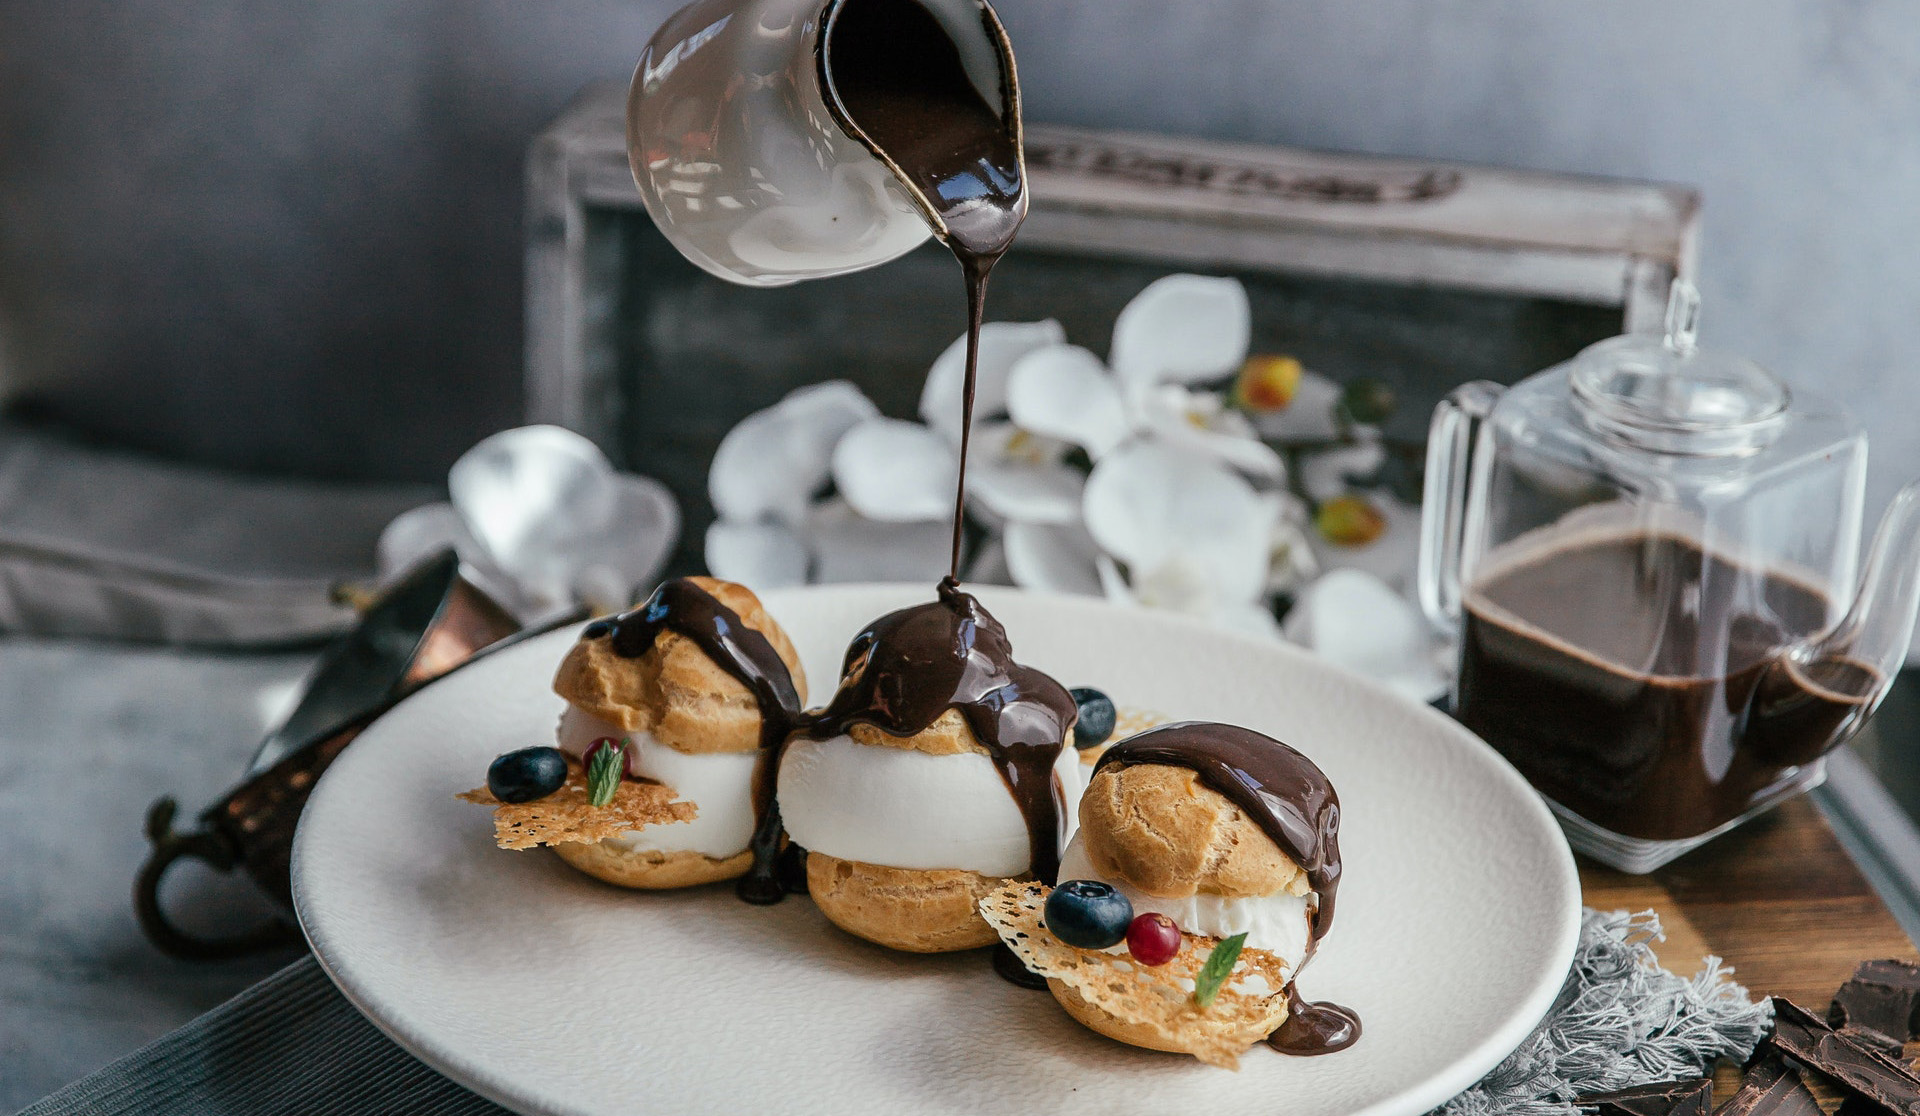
(1088, 914)
(1097, 716)
(601, 627)
(527, 774)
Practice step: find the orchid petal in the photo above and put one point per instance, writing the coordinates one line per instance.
(1182, 329)
(1053, 558)
(418, 534)
(989, 567)
(772, 463)
(1247, 618)
(1355, 620)
(848, 547)
(1309, 417)
(1291, 562)
(898, 472)
(1113, 583)
(1148, 502)
(527, 493)
(757, 555)
(1027, 493)
(423, 532)
(1065, 392)
(1001, 345)
(1331, 473)
(1181, 418)
(1391, 557)
(610, 565)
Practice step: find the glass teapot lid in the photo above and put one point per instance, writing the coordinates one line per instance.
(1667, 395)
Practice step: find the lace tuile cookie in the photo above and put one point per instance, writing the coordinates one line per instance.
(1152, 1005)
(566, 815)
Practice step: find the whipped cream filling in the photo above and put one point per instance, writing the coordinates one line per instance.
(1275, 923)
(719, 784)
(907, 809)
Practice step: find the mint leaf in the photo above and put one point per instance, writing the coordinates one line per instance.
(1213, 974)
(604, 769)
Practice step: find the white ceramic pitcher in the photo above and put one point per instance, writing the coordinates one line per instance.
(745, 157)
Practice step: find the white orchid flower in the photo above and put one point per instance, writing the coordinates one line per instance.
(773, 528)
(1165, 527)
(1180, 330)
(540, 520)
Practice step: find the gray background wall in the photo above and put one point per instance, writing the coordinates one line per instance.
(286, 237)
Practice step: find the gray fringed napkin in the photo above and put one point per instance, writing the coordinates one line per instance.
(292, 1043)
(1620, 1020)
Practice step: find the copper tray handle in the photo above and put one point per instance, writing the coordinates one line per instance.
(422, 629)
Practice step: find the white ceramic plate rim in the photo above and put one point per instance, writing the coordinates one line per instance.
(1420, 1097)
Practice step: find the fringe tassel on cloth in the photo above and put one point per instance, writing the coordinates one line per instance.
(1620, 1020)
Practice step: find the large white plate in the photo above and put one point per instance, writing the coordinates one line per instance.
(551, 993)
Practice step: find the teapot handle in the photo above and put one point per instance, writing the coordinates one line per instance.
(1445, 500)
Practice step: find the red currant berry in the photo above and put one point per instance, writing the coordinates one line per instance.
(1153, 939)
(593, 749)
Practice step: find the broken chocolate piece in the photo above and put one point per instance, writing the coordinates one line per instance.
(1882, 996)
(1692, 1096)
(1800, 1035)
(1874, 1040)
(1771, 1088)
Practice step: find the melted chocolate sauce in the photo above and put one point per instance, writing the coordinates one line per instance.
(1292, 802)
(1283, 792)
(910, 666)
(896, 79)
(1010, 968)
(682, 607)
(1314, 1028)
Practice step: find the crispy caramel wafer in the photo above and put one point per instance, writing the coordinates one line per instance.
(1149, 1006)
(566, 815)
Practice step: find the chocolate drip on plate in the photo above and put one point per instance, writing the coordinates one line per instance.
(1314, 1028)
(1290, 799)
(910, 666)
(684, 608)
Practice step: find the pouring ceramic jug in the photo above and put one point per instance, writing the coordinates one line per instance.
(1648, 557)
(747, 158)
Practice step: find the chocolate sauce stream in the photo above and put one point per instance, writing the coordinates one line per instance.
(1292, 802)
(683, 607)
(911, 665)
(896, 79)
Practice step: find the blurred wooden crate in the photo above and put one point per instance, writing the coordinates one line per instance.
(1419, 273)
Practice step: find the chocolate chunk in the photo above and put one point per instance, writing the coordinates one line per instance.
(1799, 1035)
(1882, 996)
(1691, 1096)
(1874, 1040)
(1771, 1088)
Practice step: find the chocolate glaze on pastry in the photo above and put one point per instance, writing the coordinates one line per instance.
(683, 607)
(1292, 802)
(911, 665)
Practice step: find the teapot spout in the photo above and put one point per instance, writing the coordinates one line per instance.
(1815, 696)
(1878, 628)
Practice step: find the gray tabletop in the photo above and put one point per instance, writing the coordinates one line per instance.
(89, 735)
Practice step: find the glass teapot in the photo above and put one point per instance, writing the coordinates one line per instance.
(1648, 556)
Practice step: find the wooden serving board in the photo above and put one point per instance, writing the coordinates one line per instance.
(1778, 899)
